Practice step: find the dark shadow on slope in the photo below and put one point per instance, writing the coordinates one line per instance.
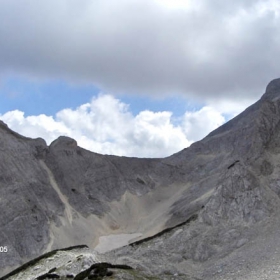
(192, 218)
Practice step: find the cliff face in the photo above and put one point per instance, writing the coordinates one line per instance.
(63, 195)
(227, 183)
(233, 187)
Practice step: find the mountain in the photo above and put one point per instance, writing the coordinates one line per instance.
(210, 211)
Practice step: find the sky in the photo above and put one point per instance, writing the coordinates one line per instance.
(142, 78)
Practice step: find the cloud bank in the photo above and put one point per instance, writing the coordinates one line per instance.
(207, 50)
(106, 125)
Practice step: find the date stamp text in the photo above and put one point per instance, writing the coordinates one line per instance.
(3, 249)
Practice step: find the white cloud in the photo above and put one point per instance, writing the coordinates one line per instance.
(157, 135)
(35, 126)
(106, 125)
(230, 107)
(199, 123)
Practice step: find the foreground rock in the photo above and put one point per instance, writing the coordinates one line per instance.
(66, 263)
(78, 263)
(209, 211)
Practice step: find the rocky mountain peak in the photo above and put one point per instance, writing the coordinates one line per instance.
(273, 90)
(2, 124)
(64, 142)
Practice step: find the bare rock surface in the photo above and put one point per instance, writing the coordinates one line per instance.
(210, 211)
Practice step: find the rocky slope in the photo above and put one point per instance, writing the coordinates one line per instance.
(203, 213)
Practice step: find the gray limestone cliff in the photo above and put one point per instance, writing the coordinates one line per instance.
(194, 211)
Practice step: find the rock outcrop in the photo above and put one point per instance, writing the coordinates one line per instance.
(196, 211)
